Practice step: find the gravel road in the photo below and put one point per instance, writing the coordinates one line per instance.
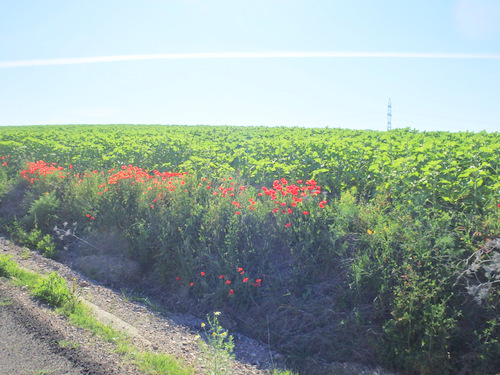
(23, 351)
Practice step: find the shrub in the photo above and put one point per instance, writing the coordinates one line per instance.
(43, 211)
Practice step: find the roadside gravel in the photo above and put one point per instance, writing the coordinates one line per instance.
(25, 352)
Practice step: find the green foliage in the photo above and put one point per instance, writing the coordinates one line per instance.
(43, 211)
(218, 347)
(160, 363)
(282, 372)
(18, 233)
(8, 267)
(47, 247)
(52, 289)
(369, 276)
(33, 238)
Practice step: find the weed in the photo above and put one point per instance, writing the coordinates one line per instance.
(43, 211)
(68, 344)
(47, 247)
(52, 289)
(159, 363)
(5, 301)
(218, 347)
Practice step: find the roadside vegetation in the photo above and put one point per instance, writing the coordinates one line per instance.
(52, 290)
(330, 245)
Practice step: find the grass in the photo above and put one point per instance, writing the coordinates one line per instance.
(81, 316)
(5, 301)
(68, 344)
(160, 363)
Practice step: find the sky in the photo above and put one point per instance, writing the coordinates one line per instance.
(315, 63)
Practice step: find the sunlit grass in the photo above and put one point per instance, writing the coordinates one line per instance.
(81, 316)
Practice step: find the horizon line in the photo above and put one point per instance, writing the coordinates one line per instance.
(244, 55)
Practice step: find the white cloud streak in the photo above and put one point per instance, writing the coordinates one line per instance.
(245, 55)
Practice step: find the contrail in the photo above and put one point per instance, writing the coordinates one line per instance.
(245, 55)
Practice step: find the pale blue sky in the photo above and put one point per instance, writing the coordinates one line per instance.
(443, 71)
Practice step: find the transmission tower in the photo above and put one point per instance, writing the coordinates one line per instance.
(389, 115)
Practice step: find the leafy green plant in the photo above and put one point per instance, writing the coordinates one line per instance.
(44, 211)
(33, 238)
(52, 289)
(47, 247)
(397, 201)
(218, 347)
(8, 267)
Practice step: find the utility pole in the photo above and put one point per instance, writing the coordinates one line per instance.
(389, 115)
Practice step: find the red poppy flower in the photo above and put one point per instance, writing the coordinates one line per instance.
(202, 273)
(305, 213)
(231, 292)
(287, 225)
(222, 276)
(257, 283)
(228, 281)
(245, 279)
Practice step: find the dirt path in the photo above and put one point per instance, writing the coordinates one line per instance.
(23, 351)
(35, 340)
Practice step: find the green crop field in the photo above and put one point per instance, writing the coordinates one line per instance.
(328, 244)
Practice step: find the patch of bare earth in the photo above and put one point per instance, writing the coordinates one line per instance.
(164, 332)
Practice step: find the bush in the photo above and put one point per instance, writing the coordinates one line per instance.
(44, 212)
